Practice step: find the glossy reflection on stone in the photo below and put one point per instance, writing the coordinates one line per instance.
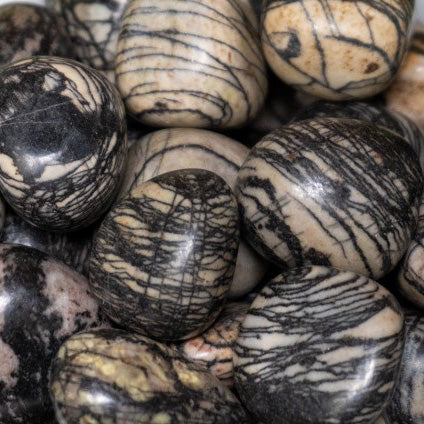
(62, 142)
(332, 191)
(190, 64)
(42, 302)
(163, 259)
(110, 376)
(179, 148)
(319, 345)
(336, 49)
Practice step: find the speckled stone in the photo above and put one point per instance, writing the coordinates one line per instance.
(178, 148)
(336, 50)
(62, 142)
(163, 259)
(43, 302)
(406, 94)
(319, 345)
(93, 27)
(214, 348)
(331, 191)
(190, 64)
(29, 30)
(71, 248)
(110, 376)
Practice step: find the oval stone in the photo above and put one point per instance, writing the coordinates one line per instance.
(319, 345)
(163, 259)
(110, 375)
(332, 191)
(42, 303)
(62, 142)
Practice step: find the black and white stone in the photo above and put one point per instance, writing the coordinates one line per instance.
(407, 403)
(336, 49)
(331, 191)
(30, 30)
(179, 148)
(190, 63)
(111, 376)
(42, 302)
(62, 142)
(93, 27)
(319, 345)
(71, 248)
(163, 259)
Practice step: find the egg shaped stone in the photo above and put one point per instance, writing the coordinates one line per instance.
(319, 345)
(332, 191)
(178, 148)
(62, 142)
(30, 30)
(106, 376)
(43, 302)
(336, 50)
(163, 259)
(93, 27)
(190, 64)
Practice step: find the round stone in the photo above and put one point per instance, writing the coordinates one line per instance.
(339, 49)
(332, 191)
(319, 344)
(42, 303)
(190, 64)
(185, 148)
(62, 142)
(30, 30)
(113, 376)
(163, 259)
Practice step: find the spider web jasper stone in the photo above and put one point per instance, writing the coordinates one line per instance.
(331, 191)
(62, 142)
(163, 259)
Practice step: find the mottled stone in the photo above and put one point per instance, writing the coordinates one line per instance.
(30, 30)
(190, 64)
(93, 27)
(62, 142)
(331, 191)
(336, 49)
(214, 348)
(111, 376)
(407, 404)
(179, 148)
(71, 248)
(406, 94)
(319, 345)
(163, 259)
(43, 302)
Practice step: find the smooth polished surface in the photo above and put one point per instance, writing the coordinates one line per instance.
(319, 345)
(62, 142)
(42, 302)
(336, 49)
(190, 63)
(30, 30)
(178, 148)
(111, 376)
(163, 259)
(332, 191)
(214, 348)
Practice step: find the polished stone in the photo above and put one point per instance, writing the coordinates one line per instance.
(319, 345)
(190, 64)
(336, 50)
(43, 302)
(62, 142)
(111, 376)
(164, 257)
(331, 191)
